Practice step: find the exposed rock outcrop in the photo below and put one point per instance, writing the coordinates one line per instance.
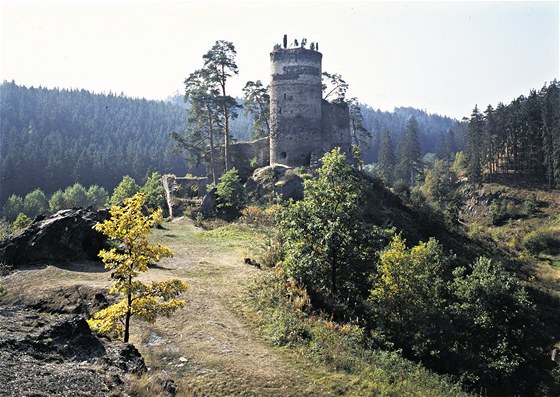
(208, 206)
(82, 300)
(57, 355)
(68, 235)
(274, 180)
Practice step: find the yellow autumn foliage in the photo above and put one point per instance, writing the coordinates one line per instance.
(128, 228)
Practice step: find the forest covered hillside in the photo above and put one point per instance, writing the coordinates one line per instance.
(432, 129)
(53, 138)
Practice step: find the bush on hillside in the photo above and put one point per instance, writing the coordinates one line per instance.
(545, 241)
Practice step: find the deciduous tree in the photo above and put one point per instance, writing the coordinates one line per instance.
(13, 207)
(257, 102)
(126, 189)
(35, 203)
(408, 292)
(128, 228)
(329, 247)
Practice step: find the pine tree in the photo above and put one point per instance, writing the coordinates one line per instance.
(410, 153)
(488, 150)
(358, 132)
(387, 159)
(220, 64)
(551, 133)
(474, 141)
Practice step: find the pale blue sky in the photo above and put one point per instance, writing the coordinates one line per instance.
(444, 57)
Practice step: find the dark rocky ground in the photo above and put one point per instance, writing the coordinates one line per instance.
(46, 346)
(49, 354)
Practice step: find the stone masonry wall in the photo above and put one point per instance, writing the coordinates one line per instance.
(295, 105)
(246, 156)
(336, 127)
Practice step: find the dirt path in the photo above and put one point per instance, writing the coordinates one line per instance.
(209, 346)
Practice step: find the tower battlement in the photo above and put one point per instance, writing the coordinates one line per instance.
(301, 124)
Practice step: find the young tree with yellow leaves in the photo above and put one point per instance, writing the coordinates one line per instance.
(129, 229)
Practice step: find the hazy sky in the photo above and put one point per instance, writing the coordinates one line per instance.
(444, 57)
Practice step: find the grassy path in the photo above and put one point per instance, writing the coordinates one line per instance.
(208, 347)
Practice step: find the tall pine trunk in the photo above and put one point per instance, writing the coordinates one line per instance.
(212, 153)
(226, 121)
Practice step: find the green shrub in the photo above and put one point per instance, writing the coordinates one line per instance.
(198, 219)
(343, 362)
(543, 241)
(531, 205)
(501, 211)
(230, 192)
(155, 195)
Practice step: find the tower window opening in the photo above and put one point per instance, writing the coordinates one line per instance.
(284, 95)
(283, 155)
(279, 110)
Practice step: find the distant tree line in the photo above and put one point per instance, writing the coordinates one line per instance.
(37, 202)
(432, 129)
(405, 163)
(52, 138)
(522, 138)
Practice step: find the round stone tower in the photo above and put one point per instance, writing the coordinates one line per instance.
(295, 105)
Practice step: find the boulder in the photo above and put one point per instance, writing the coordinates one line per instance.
(208, 206)
(66, 236)
(274, 180)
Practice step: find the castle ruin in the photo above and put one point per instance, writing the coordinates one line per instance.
(303, 126)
